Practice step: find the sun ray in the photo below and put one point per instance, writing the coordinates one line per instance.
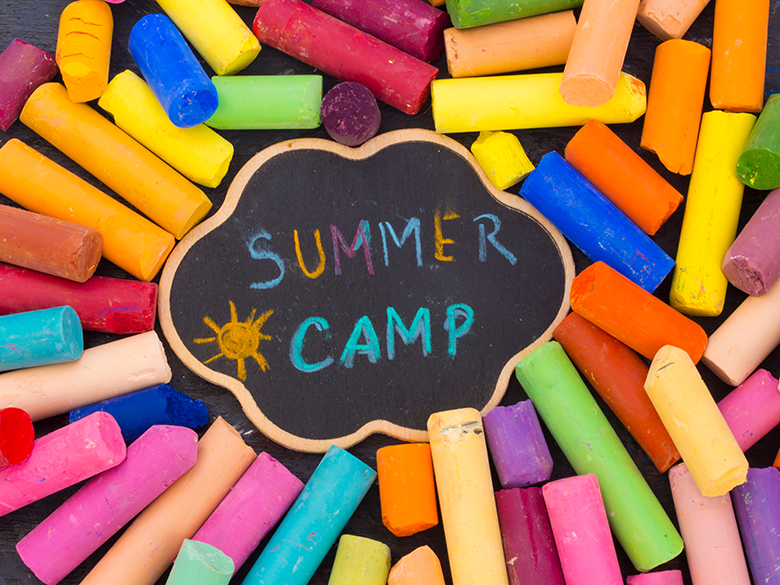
(233, 313)
(251, 317)
(204, 339)
(260, 359)
(210, 322)
(241, 369)
(211, 359)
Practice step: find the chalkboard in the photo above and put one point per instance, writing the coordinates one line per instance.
(340, 292)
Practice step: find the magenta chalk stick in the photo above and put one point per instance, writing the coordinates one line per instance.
(104, 505)
(255, 504)
(16, 436)
(579, 523)
(752, 409)
(23, 68)
(659, 578)
(350, 114)
(61, 459)
(529, 545)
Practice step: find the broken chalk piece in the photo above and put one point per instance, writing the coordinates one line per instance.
(200, 563)
(421, 566)
(502, 157)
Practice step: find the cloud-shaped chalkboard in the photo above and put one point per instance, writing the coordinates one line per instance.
(340, 292)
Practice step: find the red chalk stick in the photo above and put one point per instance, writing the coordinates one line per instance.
(350, 114)
(16, 436)
(23, 68)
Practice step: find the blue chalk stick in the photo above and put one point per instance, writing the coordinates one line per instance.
(593, 223)
(40, 338)
(172, 71)
(138, 411)
(314, 522)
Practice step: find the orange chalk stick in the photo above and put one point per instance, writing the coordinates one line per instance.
(419, 567)
(626, 311)
(622, 176)
(618, 374)
(669, 19)
(739, 55)
(675, 103)
(407, 491)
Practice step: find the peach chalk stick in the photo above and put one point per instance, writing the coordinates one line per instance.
(39, 184)
(739, 44)
(116, 159)
(151, 543)
(660, 578)
(669, 19)
(675, 103)
(711, 215)
(622, 176)
(752, 409)
(626, 311)
(112, 369)
(597, 51)
(695, 423)
(516, 45)
(468, 504)
(709, 529)
(84, 48)
(419, 567)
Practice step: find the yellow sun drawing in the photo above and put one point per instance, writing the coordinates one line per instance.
(239, 340)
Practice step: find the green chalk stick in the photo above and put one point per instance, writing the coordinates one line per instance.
(759, 164)
(200, 563)
(267, 102)
(470, 13)
(360, 561)
(590, 444)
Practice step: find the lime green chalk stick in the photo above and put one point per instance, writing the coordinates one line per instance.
(470, 13)
(360, 561)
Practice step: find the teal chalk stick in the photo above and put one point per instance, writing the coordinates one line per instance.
(200, 563)
(40, 338)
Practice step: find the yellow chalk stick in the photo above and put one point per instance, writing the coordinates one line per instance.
(84, 48)
(198, 153)
(514, 102)
(694, 422)
(711, 215)
(502, 157)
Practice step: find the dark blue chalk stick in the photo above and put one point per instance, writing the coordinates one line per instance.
(593, 223)
(172, 71)
(138, 411)
(40, 338)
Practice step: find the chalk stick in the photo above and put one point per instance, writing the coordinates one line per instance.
(472, 13)
(40, 338)
(673, 577)
(597, 51)
(24, 68)
(324, 507)
(103, 506)
(267, 102)
(412, 26)
(579, 524)
(711, 215)
(758, 162)
(752, 263)
(350, 113)
(709, 528)
(591, 446)
(61, 459)
(419, 567)
(252, 508)
(49, 245)
(172, 71)
(669, 19)
(216, 32)
(112, 369)
(16, 436)
(151, 542)
(516, 45)
(675, 103)
(84, 48)
(695, 423)
(137, 412)
(200, 563)
(116, 159)
(529, 544)
(468, 505)
(739, 41)
(198, 153)
(593, 223)
(407, 492)
(345, 52)
(752, 409)
(519, 102)
(618, 374)
(110, 305)
(37, 183)
(502, 157)
(627, 312)
(517, 445)
(360, 561)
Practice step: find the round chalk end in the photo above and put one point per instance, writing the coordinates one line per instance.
(16, 436)
(72, 334)
(193, 105)
(758, 168)
(350, 113)
(586, 90)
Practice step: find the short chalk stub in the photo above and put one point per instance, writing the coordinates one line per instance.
(350, 113)
(200, 563)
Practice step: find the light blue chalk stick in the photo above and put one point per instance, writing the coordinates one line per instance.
(40, 338)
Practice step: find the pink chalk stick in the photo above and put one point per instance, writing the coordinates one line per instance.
(23, 68)
(660, 578)
(752, 409)
(98, 510)
(255, 504)
(61, 459)
(581, 530)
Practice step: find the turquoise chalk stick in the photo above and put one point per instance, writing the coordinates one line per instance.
(40, 338)
(201, 564)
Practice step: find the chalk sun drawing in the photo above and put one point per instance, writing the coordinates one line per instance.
(239, 340)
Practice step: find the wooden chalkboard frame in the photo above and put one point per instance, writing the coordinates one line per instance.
(236, 190)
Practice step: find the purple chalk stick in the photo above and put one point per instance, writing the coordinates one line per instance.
(659, 578)
(350, 113)
(517, 445)
(752, 409)
(23, 68)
